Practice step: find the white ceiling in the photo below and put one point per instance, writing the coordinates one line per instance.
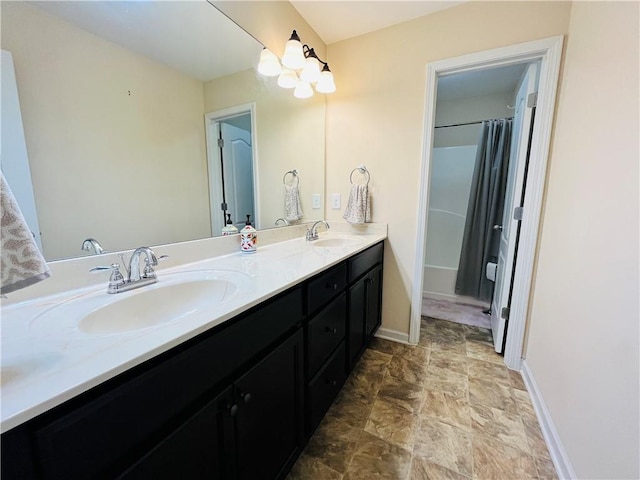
(334, 21)
(190, 36)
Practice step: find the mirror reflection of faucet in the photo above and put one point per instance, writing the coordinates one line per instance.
(284, 221)
(92, 244)
(135, 277)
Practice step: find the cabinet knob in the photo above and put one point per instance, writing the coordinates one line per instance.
(369, 280)
(233, 410)
(332, 286)
(333, 383)
(331, 330)
(246, 397)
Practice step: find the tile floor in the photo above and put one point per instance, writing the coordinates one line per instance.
(445, 409)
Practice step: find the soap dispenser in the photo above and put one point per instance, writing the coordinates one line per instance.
(248, 238)
(229, 228)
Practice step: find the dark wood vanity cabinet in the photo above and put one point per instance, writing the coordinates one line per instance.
(238, 402)
(365, 300)
(339, 334)
(326, 332)
(250, 430)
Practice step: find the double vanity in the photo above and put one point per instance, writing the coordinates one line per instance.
(222, 369)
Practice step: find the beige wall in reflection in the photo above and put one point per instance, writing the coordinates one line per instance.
(113, 138)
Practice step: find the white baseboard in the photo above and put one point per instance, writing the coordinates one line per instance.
(561, 461)
(393, 335)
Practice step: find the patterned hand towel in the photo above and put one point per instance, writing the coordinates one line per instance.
(22, 263)
(292, 204)
(358, 206)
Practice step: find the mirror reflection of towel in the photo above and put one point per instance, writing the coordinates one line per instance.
(22, 262)
(292, 204)
(358, 206)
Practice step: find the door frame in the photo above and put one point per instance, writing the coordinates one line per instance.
(212, 122)
(549, 52)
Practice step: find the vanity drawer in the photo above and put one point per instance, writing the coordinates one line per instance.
(325, 287)
(105, 426)
(365, 261)
(325, 332)
(325, 386)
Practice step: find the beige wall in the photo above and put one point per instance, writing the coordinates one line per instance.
(98, 121)
(468, 109)
(583, 339)
(289, 135)
(376, 116)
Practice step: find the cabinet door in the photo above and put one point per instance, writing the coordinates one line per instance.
(357, 320)
(270, 415)
(374, 300)
(202, 447)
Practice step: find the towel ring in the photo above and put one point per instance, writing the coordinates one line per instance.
(294, 173)
(363, 170)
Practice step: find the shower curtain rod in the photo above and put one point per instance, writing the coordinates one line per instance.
(469, 123)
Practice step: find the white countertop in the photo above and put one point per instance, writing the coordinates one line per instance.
(47, 363)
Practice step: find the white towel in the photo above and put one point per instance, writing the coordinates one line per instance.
(292, 204)
(22, 263)
(358, 206)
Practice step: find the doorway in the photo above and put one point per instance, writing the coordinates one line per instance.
(231, 167)
(480, 144)
(547, 52)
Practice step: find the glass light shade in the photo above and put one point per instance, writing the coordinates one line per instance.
(326, 83)
(311, 71)
(303, 90)
(288, 78)
(269, 65)
(293, 57)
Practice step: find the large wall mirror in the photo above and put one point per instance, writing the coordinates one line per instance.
(122, 105)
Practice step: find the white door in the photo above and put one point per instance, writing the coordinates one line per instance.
(513, 198)
(237, 165)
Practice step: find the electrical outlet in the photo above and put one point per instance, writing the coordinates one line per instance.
(315, 201)
(335, 201)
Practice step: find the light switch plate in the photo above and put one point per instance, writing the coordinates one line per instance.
(335, 201)
(315, 201)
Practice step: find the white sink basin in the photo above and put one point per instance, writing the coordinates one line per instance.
(337, 242)
(175, 297)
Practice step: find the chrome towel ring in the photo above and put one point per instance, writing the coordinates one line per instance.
(363, 170)
(293, 173)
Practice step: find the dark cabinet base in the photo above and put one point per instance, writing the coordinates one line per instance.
(235, 403)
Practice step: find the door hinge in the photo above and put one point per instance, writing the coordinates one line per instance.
(504, 313)
(532, 99)
(517, 213)
(223, 207)
(221, 143)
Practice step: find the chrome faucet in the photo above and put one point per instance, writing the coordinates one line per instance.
(312, 233)
(151, 261)
(135, 277)
(92, 244)
(284, 221)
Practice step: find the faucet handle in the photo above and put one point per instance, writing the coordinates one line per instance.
(115, 280)
(148, 271)
(102, 268)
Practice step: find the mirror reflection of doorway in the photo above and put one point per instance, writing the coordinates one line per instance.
(230, 161)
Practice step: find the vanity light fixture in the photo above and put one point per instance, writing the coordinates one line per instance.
(269, 65)
(301, 67)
